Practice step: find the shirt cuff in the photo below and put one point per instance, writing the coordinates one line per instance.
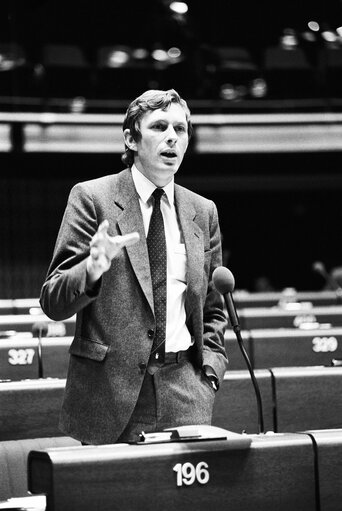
(210, 373)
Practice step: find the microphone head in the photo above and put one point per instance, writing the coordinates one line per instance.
(319, 267)
(40, 329)
(223, 280)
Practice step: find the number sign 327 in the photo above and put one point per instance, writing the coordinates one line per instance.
(22, 356)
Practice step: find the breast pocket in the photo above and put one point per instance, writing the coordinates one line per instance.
(177, 262)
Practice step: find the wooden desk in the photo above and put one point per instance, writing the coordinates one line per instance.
(290, 347)
(25, 322)
(328, 449)
(244, 299)
(19, 357)
(267, 473)
(235, 405)
(30, 408)
(20, 306)
(307, 398)
(235, 357)
(260, 317)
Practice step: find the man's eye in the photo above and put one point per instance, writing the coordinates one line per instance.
(180, 129)
(159, 126)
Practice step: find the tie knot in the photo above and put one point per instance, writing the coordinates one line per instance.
(157, 194)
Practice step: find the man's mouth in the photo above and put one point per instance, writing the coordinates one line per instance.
(169, 154)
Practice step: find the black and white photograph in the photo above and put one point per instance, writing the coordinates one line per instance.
(171, 255)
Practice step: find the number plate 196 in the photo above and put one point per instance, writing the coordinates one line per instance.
(188, 474)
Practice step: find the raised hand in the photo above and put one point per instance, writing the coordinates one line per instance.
(103, 248)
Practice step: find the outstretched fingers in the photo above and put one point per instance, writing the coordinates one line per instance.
(126, 240)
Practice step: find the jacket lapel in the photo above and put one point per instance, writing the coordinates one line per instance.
(194, 244)
(131, 220)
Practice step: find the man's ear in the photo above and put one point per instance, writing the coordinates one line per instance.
(129, 140)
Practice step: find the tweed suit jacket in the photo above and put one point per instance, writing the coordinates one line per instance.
(113, 323)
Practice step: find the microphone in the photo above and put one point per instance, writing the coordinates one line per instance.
(224, 283)
(319, 268)
(40, 330)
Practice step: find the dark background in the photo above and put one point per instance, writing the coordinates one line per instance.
(272, 224)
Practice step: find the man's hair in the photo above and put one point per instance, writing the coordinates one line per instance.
(148, 101)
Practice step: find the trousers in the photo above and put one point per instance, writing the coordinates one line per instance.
(178, 394)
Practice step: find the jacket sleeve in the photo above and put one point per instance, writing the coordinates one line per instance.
(64, 293)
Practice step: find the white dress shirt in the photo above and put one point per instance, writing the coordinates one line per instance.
(177, 334)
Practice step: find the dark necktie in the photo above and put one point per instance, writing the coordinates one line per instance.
(156, 245)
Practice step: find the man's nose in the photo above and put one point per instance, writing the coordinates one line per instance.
(171, 135)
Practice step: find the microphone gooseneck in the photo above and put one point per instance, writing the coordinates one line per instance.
(224, 283)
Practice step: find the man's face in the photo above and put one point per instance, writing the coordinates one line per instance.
(164, 140)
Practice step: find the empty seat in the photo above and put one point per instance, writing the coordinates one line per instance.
(15, 70)
(67, 72)
(288, 73)
(124, 72)
(330, 64)
(233, 71)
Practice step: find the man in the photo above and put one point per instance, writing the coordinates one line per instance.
(146, 356)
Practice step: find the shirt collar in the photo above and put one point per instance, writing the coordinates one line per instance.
(145, 187)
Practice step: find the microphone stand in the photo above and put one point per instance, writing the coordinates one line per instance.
(237, 329)
(40, 330)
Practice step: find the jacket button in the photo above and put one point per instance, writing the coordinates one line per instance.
(150, 333)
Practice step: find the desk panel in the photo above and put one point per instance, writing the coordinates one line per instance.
(20, 306)
(245, 299)
(273, 472)
(307, 398)
(235, 357)
(30, 408)
(19, 358)
(294, 347)
(329, 458)
(13, 463)
(25, 322)
(235, 406)
(275, 317)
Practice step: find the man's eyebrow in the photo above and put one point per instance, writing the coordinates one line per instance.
(165, 121)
